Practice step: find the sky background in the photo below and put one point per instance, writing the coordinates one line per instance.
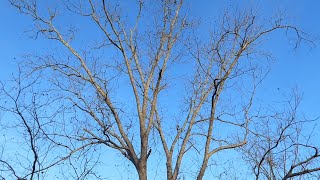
(293, 68)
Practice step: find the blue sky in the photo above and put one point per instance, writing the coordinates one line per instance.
(292, 68)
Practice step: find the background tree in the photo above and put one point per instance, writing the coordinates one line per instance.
(29, 151)
(111, 91)
(281, 147)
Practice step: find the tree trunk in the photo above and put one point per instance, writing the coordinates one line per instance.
(142, 170)
(203, 169)
(169, 173)
(142, 175)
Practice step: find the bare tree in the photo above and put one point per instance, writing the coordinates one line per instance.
(28, 149)
(112, 91)
(279, 149)
(28, 115)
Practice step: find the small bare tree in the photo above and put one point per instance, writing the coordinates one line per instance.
(279, 149)
(112, 90)
(28, 116)
(27, 150)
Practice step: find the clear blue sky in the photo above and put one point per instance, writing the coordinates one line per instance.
(292, 68)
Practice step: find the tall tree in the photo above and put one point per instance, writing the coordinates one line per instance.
(112, 91)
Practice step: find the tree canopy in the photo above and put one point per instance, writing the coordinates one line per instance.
(170, 94)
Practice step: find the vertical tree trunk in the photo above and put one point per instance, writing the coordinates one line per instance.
(142, 175)
(142, 170)
(169, 173)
